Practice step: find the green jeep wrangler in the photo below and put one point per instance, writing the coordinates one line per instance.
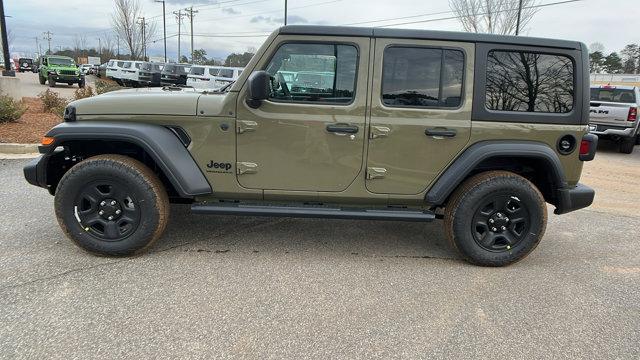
(62, 69)
(478, 130)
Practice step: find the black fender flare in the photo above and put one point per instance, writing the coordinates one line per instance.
(476, 153)
(160, 143)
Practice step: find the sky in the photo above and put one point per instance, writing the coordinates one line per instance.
(225, 26)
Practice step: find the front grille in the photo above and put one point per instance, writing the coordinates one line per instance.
(67, 72)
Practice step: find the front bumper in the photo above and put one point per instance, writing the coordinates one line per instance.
(604, 130)
(67, 78)
(571, 199)
(35, 171)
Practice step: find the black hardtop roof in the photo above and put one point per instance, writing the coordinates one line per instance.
(427, 35)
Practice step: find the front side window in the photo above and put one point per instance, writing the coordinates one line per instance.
(214, 71)
(314, 72)
(422, 77)
(529, 82)
(196, 70)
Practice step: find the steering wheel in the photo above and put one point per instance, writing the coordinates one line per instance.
(283, 85)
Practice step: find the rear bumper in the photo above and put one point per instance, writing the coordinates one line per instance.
(571, 199)
(603, 130)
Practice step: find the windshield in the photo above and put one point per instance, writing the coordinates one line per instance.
(613, 95)
(61, 61)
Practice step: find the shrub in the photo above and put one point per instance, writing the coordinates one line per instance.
(82, 93)
(10, 109)
(52, 102)
(104, 86)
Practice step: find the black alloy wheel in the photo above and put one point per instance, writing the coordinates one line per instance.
(500, 222)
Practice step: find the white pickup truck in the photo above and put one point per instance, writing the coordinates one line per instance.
(614, 115)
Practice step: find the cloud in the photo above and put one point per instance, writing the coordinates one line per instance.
(292, 19)
(230, 11)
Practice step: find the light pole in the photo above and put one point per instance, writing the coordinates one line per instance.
(285, 12)
(164, 26)
(5, 44)
(518, 21)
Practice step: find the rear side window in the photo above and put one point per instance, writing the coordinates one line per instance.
(529, 82)
(422, 77)
(226, 73)
(197, 70)
(120, 63)
(138, 65)
(214, 71)
(613, 95)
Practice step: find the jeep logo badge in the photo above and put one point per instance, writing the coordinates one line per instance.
(218, 167)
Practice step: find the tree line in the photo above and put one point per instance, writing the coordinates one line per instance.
(625, 62)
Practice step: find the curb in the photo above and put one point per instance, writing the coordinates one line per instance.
(10, 148)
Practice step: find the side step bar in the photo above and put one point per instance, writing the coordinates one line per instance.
(312, 212)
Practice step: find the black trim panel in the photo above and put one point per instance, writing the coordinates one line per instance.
(475, 154)
(571, 199)
(159, 142)
(312, 212)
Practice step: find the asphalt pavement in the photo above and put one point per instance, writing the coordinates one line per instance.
(260, 288)
(30, 85)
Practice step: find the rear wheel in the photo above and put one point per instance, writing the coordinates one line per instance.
(495, 218)
(112, 205)
(627, 145)
(638, 139)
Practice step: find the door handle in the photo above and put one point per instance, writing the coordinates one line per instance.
(440, 132)
(342, 128)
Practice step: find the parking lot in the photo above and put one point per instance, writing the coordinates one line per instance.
(30, 87)
(292, 288)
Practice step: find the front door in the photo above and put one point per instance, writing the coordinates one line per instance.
(309, 135)
(420, 112)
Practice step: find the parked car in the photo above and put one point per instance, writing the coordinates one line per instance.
(175, 74)
(614, 115)
(59, 69)
(11, 62)
(416, 126)
(226, 75)
(149, 74)
(101, 70)
(128, 72)
(86, 69)
(113, 71)
(25, 64)
(202, 76)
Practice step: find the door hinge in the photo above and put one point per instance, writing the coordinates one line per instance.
(376, 173)
(244, 126)
(378, 132)
(246, 168)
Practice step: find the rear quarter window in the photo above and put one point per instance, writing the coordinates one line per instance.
(529, 82)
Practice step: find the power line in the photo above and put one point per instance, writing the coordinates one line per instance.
(190, 14)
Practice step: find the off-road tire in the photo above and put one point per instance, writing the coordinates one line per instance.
(81, 84)
(147, 196)
(52, 83)
(464, 204)
(638, 139)
(627, 145)
(42, 79)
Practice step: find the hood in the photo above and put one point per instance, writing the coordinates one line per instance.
(143, 101)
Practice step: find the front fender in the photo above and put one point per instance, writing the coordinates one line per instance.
(160, 143)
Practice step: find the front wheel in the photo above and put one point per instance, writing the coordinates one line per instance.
(112, 205)
(81, 83)
(495, 218)
(42, 79)
(52, 83)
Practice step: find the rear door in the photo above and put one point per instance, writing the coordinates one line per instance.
(420, 112)
(306, 138)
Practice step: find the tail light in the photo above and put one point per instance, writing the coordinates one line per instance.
(633, 114)
(588, 147)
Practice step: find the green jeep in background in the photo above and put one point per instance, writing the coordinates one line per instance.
(481, 131)
(62, 69)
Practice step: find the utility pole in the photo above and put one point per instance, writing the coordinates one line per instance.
(285, 12)
(5, 44)
(47, 36)
(38, 47)
(179, 16)
(118, 46)
(518, 21)
(164, 26)
(190, 13)
(144, 38)
(100, 49)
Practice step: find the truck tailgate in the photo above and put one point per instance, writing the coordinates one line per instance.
(610, 113)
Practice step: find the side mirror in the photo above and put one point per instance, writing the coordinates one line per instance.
(259, 88)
